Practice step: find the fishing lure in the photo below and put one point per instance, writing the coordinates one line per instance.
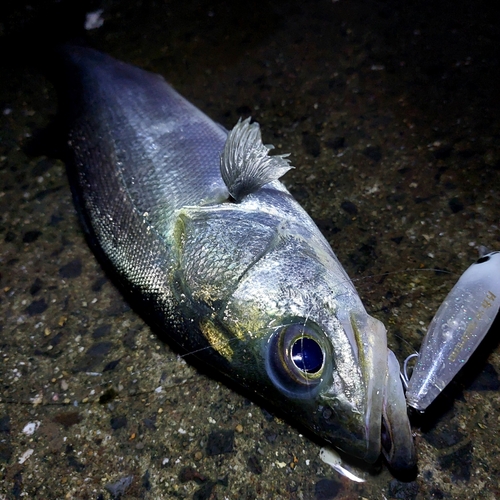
(457, 329)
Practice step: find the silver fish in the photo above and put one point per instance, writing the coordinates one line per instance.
(219, 257)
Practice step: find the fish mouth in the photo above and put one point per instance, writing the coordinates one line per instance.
(387, 427)
(371, 339)
(397, 441)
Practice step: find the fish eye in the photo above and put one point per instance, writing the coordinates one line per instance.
(296, 358)
(486, 258)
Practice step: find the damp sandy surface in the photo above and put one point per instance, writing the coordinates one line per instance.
(391, 116)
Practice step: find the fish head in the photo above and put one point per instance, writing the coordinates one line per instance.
(293, 331)
(316, 353)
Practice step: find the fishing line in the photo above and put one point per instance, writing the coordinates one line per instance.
(404, 271)
(306, 319)
(400, 337)
(336, 296)
(316, 295)
(177, 357)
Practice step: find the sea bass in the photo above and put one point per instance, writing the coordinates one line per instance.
(221, 260)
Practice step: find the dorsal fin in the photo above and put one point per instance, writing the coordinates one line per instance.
(245, 164)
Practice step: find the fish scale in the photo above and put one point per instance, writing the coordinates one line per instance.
(151, 130)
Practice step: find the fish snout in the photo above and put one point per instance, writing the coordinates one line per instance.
(386, 421)
(396, 439)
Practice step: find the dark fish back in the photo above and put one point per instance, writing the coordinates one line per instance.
(166, 152)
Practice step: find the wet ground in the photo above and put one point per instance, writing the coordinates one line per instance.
(391, 115)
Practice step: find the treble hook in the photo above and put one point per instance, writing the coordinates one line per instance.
(405, 379)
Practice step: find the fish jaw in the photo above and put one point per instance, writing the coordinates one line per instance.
(371, 337)
(397, 440)
(378, 421)
(350, 413)
(386, 419)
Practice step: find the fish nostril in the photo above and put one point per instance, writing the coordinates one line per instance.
(327, 413)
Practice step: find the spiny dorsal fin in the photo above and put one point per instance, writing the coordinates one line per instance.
(245, 165)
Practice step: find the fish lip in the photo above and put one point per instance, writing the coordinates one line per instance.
(397, 442)
(381, 425)
(371, 338)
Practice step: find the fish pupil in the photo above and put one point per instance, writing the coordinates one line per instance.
(307, 355)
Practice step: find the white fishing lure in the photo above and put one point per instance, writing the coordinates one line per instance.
(456, 330)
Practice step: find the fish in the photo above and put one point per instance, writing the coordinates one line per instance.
(202, 237)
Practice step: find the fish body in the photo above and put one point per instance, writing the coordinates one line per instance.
(219, 257)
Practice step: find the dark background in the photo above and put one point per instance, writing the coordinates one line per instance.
(390, 111)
